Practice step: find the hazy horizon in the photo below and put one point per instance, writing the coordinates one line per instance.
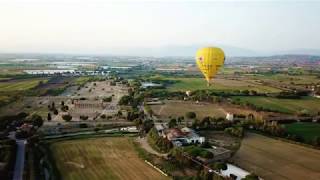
(97, 27)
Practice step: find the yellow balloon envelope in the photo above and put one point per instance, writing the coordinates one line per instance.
(209, 61)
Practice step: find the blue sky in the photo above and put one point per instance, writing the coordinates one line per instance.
(100, 27)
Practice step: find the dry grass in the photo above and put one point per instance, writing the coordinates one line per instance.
(274, 159)
(103, 158)
(180, 108)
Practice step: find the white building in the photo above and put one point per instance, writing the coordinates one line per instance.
(229, 117)
(183, 136)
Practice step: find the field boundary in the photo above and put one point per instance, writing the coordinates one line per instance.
(155, 167)
(285, 140)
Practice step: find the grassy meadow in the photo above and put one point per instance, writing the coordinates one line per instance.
(290, 106)
(306, 130)
(20, 85)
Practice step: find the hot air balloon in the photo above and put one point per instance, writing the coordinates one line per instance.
(209, 61)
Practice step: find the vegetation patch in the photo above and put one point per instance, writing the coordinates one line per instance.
(308, 131)
(290, 106)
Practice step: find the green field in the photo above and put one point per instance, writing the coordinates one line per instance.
(285, 78)
(290, 106)
(20, 85)
(306, 130)
(82, 80)
(184, 84)
(109, 158)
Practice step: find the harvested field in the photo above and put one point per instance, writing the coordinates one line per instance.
(275, 159)
(180, 108)
(102, 158)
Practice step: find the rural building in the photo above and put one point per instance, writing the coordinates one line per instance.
(188, 93)
(147, 85)
(161, 127)
(183, 136)
(229, 117)
(132, 129)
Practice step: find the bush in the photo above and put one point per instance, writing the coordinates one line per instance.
(84, 117)
(126, 100)
(251, 177)
(55, 112)
(235, 131)
(67, 117)
(83, 125)
(107, 99)
(220, 166)
(191, 115)
(49, 118)
(157, 142)
(36, 120)
(195, 151)
(103, 116)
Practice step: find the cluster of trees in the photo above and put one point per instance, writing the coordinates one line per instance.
(278, 131)
(211, 123)
(7, 157)
(144, 125)
(83, 117)
(133, 101)
(293, 94)
(196, 151)
(6, 121)
(159, 143)
(35, 120)
(53, 108)
(64, 107)
(134, 114)
(235, 131)
(107, 99)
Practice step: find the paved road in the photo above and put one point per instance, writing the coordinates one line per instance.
(19, 166)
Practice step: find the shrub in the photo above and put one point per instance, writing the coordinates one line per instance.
(191, 115)
(84, 117)
(103, 116)
(67, 117)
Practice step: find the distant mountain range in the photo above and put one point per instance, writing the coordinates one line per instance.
(186, 51)
(230, 51)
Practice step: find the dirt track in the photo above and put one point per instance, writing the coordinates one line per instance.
(274, 159)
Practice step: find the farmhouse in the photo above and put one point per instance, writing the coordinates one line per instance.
(161, 127)
(147, 85)
(183, 136)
